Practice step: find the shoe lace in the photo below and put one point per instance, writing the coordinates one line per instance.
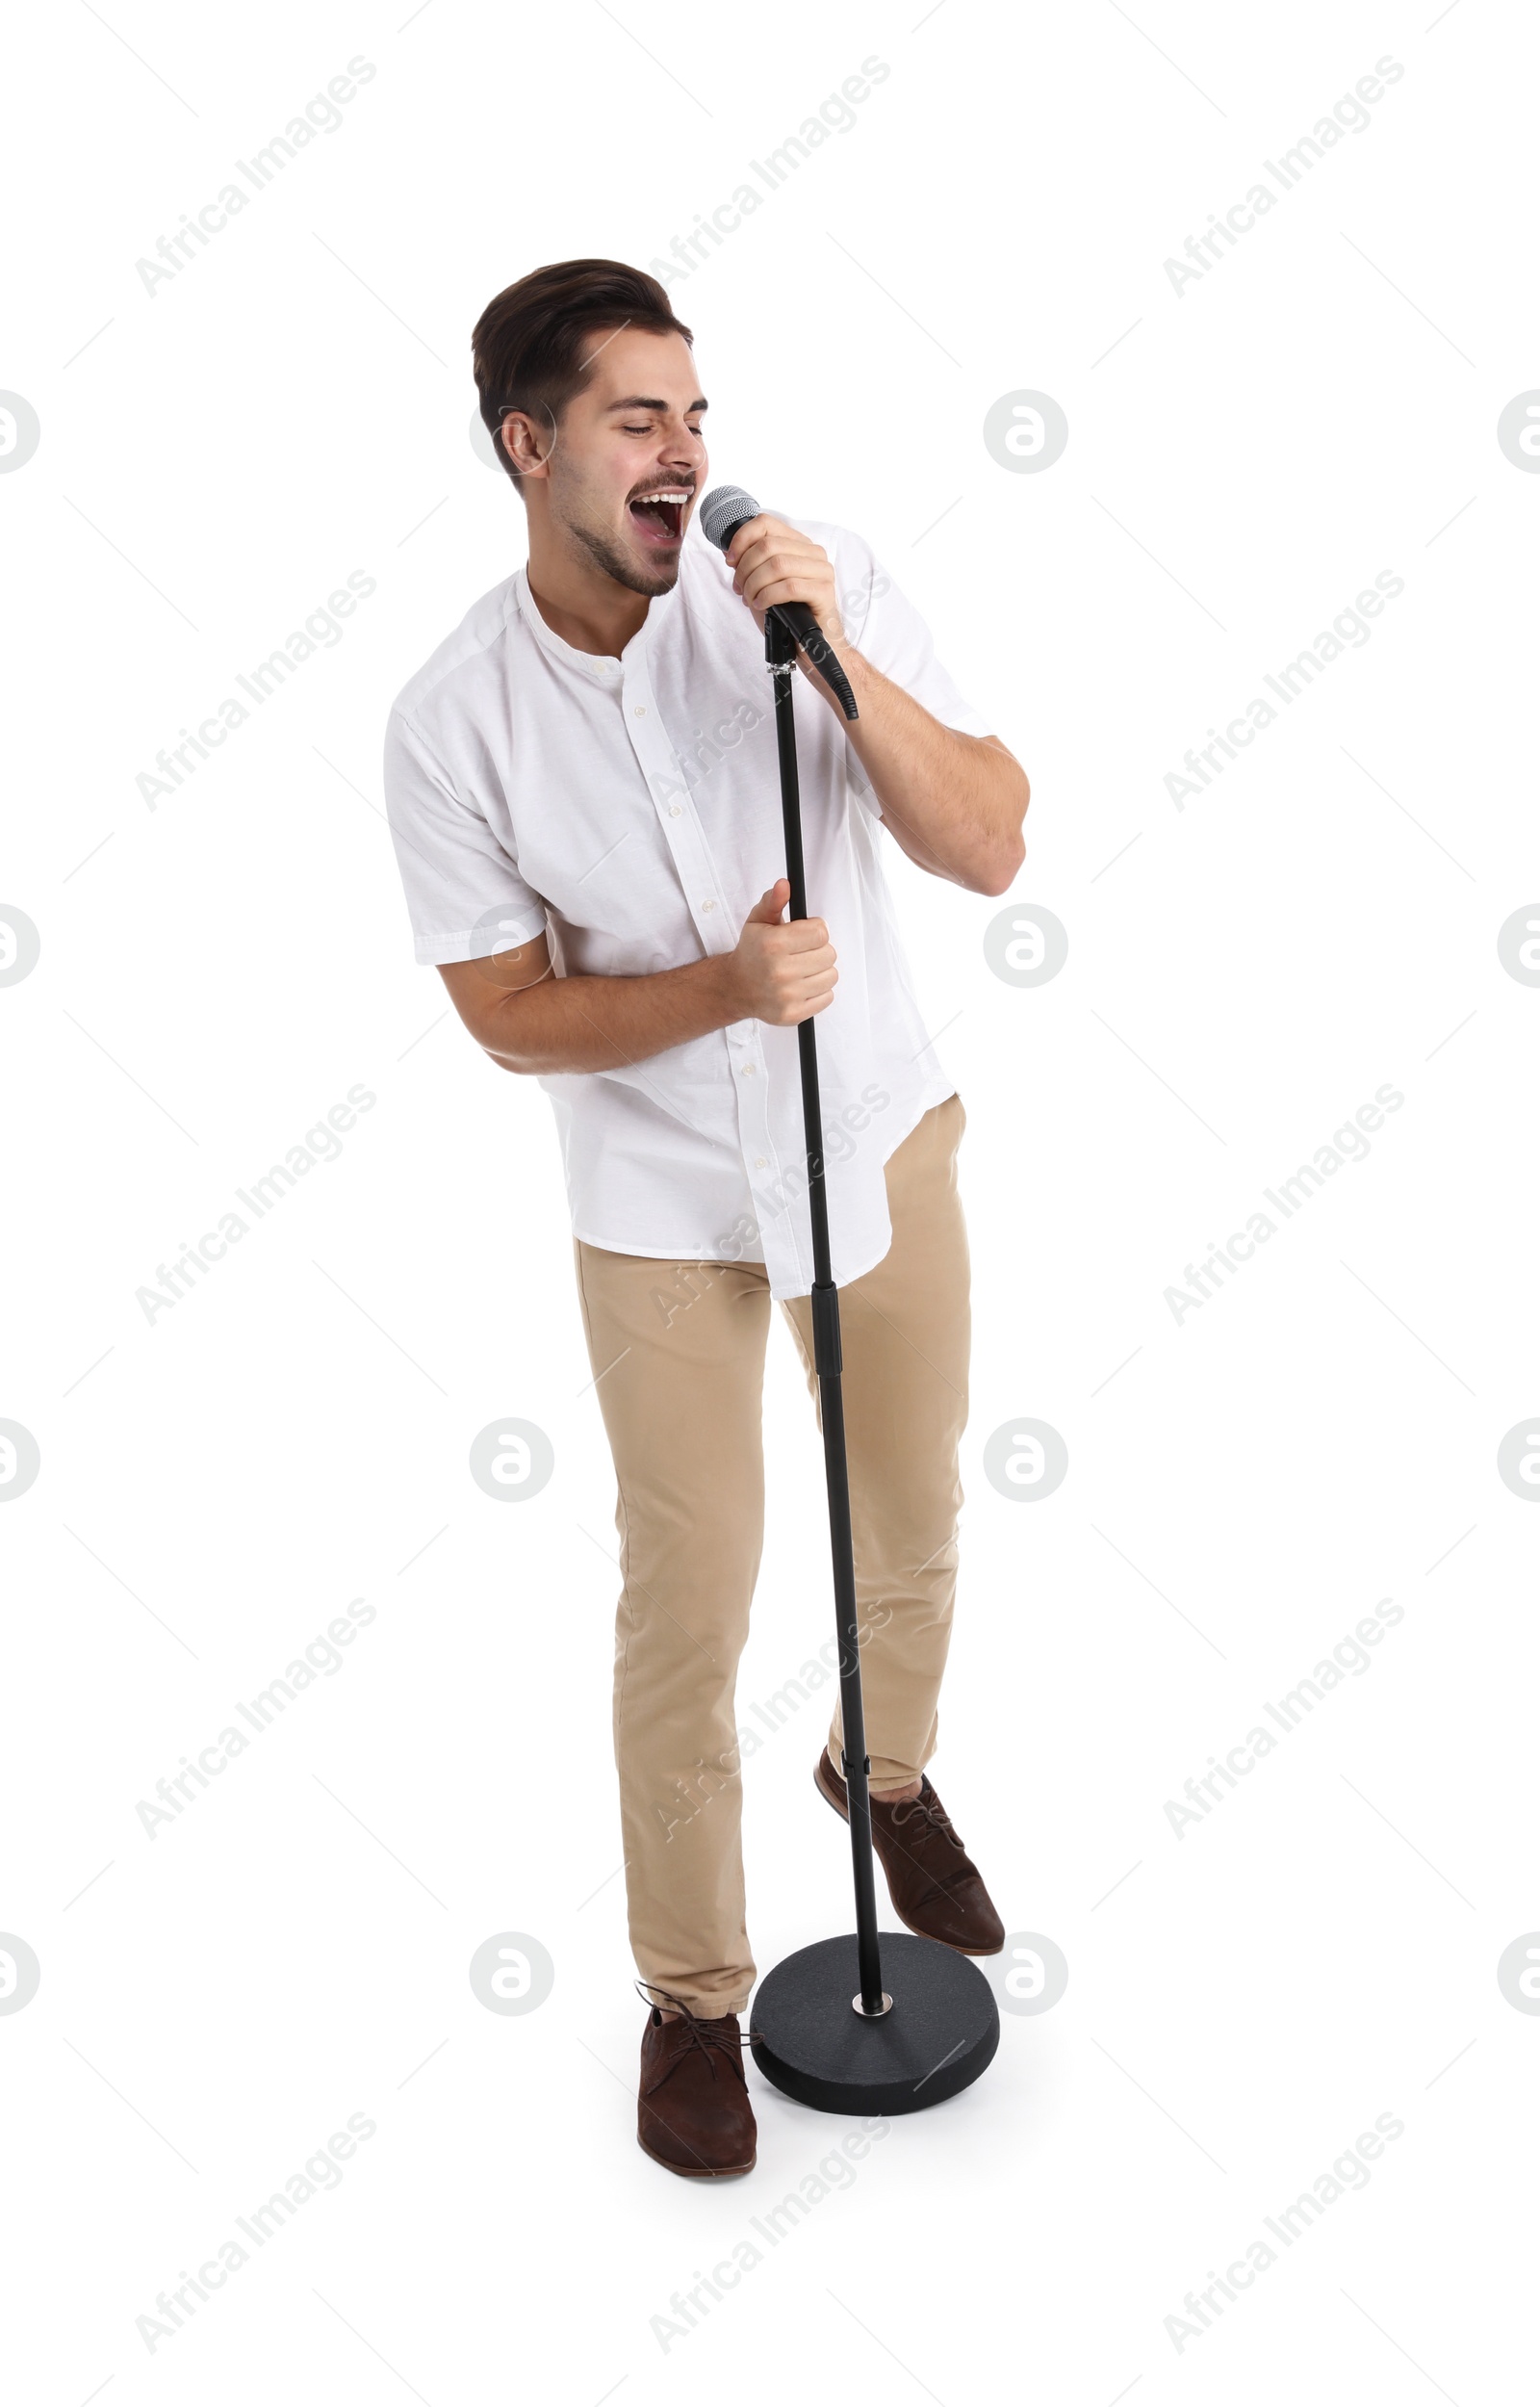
(703, 2031)
(922, 1818)
(926, 1808)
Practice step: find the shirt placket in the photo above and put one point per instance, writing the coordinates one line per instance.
(709, 908)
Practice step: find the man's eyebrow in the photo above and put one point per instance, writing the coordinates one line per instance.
(650, 400)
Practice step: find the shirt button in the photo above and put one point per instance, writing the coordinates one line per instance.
(639, 709)
(673, 810)
(748, 1068)
(758, 1161)
(708, 904)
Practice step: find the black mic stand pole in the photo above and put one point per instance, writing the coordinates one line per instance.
(869, 2053)
(780, 652)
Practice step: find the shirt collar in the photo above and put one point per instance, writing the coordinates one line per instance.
(603, 668)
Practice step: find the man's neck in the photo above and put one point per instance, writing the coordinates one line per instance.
(583, 605)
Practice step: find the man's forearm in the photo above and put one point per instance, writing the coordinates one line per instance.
(606, 1023)
(954, 802)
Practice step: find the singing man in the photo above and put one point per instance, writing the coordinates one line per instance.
(583, 791)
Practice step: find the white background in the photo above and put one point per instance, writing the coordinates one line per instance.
(216, 972)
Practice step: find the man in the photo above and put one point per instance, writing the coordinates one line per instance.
(583, 791)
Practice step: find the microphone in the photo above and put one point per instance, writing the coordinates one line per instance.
(724, 510)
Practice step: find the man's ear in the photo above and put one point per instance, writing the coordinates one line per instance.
(528, 441)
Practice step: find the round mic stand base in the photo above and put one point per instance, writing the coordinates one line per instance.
(870, 2023)
(810, 2039)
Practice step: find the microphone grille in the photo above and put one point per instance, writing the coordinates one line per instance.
(726, 506)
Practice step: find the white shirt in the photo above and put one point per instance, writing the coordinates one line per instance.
(631, 809)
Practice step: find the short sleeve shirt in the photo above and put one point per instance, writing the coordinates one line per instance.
(630, 809)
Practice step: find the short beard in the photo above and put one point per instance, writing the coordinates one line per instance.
(624, 573)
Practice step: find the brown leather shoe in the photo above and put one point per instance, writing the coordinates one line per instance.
(935, 1887)
(692, 2109)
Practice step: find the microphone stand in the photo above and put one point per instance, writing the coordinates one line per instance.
(940, 2028)
(780, 652)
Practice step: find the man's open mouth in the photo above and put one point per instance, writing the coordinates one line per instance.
(658, 517)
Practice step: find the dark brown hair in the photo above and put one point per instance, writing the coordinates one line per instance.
(529, 347)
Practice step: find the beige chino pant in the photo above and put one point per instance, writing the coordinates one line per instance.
(677, 1351)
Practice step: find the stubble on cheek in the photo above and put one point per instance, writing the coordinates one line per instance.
(585, 524)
